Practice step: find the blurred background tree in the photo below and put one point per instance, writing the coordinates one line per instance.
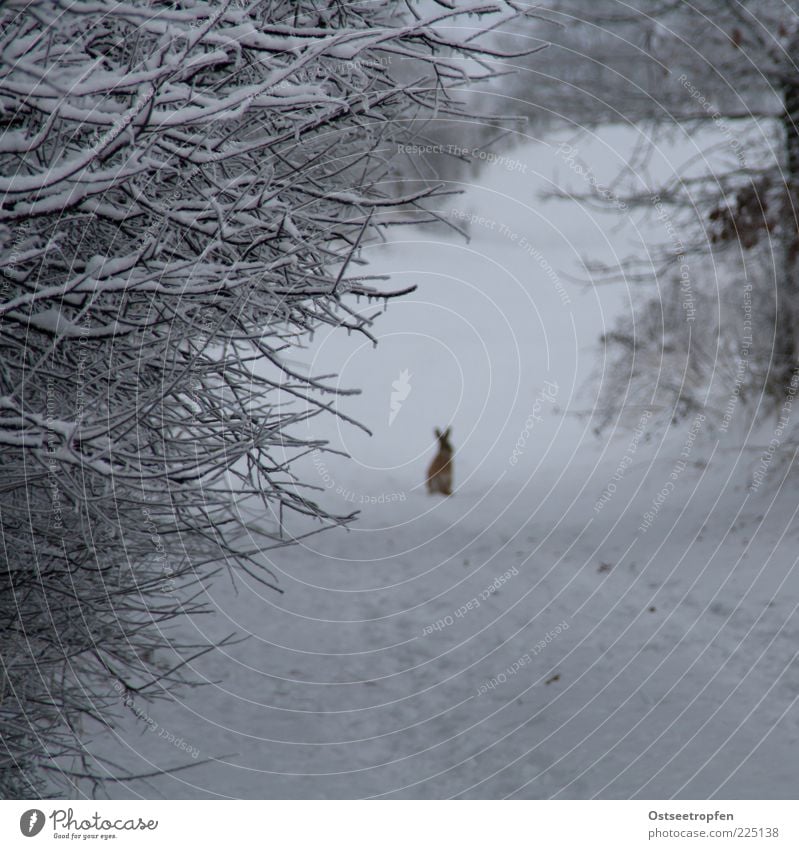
(720, 80)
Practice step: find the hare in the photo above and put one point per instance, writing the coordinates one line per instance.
(439, 475)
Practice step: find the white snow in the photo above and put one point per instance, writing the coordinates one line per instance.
(677, 674)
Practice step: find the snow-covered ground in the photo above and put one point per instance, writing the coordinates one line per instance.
(525, 637)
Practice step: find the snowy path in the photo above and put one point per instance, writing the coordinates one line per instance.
(676, 674)
(679, 656)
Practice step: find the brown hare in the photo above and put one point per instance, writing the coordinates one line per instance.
(439, 475)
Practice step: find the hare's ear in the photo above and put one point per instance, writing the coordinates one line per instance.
(447, 432)
(438, 433)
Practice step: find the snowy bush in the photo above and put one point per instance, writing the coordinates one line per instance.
(185, 187)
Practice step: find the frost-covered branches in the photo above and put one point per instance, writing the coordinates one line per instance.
(185, 188)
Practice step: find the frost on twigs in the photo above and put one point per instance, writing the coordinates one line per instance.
(184, 192)
(711, 89)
